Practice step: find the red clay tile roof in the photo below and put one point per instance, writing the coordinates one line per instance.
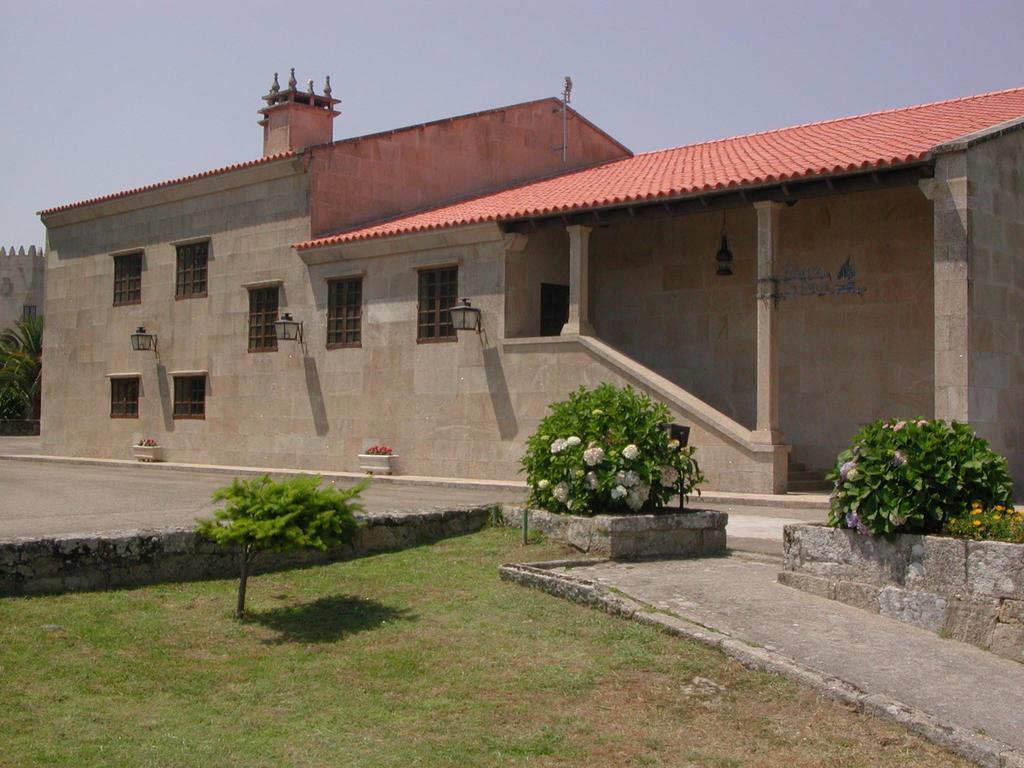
(350, 140)
(170, 183)
(876, 140)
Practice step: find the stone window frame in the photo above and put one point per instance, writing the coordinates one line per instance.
(262, 334)
(185, 275)
(189, 396)
(124, 396)
(348, 323)
(127, 278)
(444, 331)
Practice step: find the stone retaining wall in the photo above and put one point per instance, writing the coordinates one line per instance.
(19, 427)
(694, 533)
(132, 558)
(968, 590)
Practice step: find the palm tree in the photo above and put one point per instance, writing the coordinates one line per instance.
(21, 353)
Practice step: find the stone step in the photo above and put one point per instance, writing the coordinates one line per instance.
(805, 474)
(801, 486)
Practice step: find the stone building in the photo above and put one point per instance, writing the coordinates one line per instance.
(21, 284)
(775, 290)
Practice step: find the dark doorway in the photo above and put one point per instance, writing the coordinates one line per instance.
(554, 308)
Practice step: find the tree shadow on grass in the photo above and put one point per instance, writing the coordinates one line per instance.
(328, 619)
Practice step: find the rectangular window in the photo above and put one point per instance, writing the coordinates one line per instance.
(262, 314)
(439, 289)
(190, 397)
(191, 272)
(28, 311)
(124, 398)
(128, 279)
(345, 312)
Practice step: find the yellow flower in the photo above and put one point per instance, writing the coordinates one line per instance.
(1000, 507)
(975, 504)
(996, 517)
(977, 522)
(975, 511)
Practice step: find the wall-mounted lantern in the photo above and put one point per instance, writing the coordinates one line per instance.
(465, 317)
(142, 341)
(288, 329)
(723, 259)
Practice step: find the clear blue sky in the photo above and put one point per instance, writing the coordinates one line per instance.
(102, 95)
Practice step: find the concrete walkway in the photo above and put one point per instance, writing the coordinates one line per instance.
(738, 596)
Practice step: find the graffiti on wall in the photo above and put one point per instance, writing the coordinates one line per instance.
(817, 281)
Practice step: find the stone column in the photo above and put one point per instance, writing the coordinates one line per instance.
(579, 282)
(767, 429)
(951, 254)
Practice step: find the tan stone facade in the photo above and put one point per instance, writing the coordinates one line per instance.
(21, 284)
(995, 173)
(840, 309)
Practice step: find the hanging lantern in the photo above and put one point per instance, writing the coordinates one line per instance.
(465, 317)
(287, 329)
(142, 341)
(723, 259)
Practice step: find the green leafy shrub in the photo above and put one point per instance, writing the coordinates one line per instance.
(264, 514)
(911, 476)
(606, 451)
(997, 523)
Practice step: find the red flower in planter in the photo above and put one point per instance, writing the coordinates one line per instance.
(379, 450)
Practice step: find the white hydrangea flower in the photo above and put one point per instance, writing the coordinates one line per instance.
(633, 501)
(572, 441)
(632, 478)
(577, 473)
(592, 481)
(561, 492)
(669, 476)
(618, 492)
(852, 474)
(543, 484)
(673, 444)
(630, 451)
(593, 456)
(558, 445)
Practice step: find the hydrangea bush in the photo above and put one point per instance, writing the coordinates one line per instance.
(606, 451)
(913, 476)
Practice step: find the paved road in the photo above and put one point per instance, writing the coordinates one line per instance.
(46, 499)
(57, 498)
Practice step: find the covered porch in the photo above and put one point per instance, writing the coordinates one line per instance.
(823, 319)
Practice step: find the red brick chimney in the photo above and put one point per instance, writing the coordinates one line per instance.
(294, 119)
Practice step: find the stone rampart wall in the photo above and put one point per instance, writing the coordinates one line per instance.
(968, 590)
(124, 559)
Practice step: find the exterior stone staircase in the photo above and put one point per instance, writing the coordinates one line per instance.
(800, 479)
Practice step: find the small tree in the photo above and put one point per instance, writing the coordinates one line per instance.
(263, 514)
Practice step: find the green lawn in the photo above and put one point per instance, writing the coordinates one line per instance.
(416, 658)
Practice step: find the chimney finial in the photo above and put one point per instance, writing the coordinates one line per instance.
(327, 87)
(275, 87)
(309, 86)
(292, 82)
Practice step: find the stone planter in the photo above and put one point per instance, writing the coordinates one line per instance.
(968, 590)
(695, 533)
(148, 452)
(375, 464)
